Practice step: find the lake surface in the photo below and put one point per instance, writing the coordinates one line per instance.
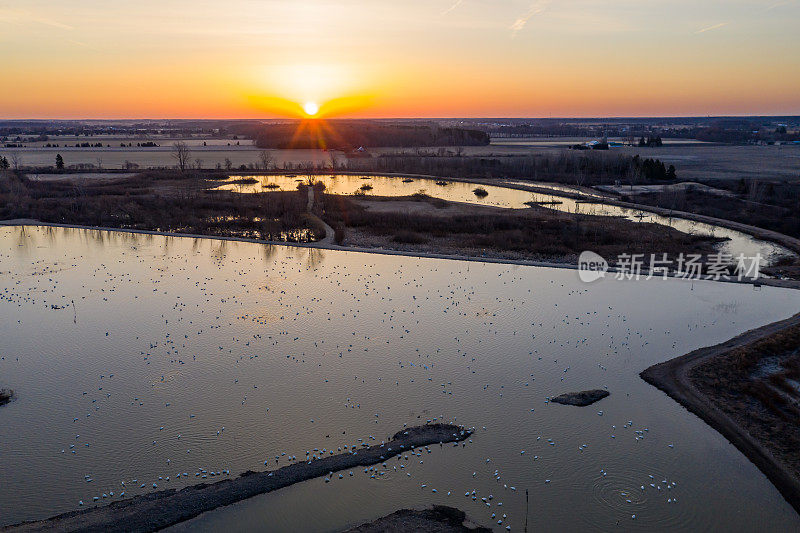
(194, 356)
(507, 197)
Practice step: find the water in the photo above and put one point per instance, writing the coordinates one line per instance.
(291, 349)
(506, 197)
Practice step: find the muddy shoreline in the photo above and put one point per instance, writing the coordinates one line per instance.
(437, 519)
(672, 377)
(783, 283)
(157, 510)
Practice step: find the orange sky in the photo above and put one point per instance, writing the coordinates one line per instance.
(381, 58)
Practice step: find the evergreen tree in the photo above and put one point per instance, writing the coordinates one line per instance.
(59, 162)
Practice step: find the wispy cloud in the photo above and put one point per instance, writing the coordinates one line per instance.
(776, 5)
(536, 8)
(451, 8)
(711, 28)
(20, 17)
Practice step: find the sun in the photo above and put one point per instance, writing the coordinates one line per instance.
(311, 108)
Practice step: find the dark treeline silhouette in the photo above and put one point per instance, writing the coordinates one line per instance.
(554, 130)
(739, 131)
(650, 142)
(653, 169)
(585, 168)
(731, 130)
(350, 135)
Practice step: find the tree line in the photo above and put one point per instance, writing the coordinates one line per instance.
(583, 168)
(348, 136)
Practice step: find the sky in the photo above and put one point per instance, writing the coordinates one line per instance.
(398, 58)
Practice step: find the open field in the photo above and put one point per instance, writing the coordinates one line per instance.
(700, 161)
(693, 161)
(162, 157)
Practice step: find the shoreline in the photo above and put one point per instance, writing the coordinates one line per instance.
(320, 245)
(791, 243)
(540, 187)
(672, 378)
(157, 510)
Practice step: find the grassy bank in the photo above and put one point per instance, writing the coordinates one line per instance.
(534, 233)
(758, 385)
(161, 201)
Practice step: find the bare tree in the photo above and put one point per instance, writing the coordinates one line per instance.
(228, 164)
(266, 159)
(181, 152)
(198, 163)
(755, 191)
(16, 161)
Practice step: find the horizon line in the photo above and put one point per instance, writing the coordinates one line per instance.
(509, 117)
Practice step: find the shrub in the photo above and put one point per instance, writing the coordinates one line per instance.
(338, 234)
(409, 237)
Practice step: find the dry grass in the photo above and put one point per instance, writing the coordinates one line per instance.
(529, 233)
(161, 201)
(752, 385)
(768, 205)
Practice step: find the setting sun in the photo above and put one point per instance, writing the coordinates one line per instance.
(311, 108)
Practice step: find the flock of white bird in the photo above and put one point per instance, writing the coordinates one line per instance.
(303, 354)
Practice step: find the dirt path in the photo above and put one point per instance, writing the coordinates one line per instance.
(328, 239)
(157, 510)
(672, 378)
